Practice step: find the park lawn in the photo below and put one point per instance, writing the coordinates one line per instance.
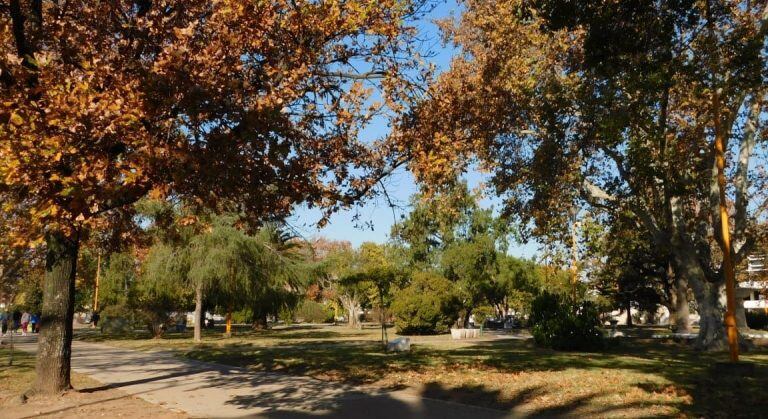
(633, 378)
(92, 399)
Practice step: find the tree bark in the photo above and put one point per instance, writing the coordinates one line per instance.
(707, 291)
(198, 312)
(55, 347)
(741, 315)
(467, 315)
(629, 313)
(710, 298)
(350, 305)
(679, 316)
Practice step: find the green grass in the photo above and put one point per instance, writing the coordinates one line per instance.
(17, 378)
(634, 378)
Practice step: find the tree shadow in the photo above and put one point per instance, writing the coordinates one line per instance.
(683, 379)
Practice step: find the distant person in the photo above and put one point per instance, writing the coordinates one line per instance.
(34, 321)
(95, 318)
(25, 317)
(16, 321)
(3, 323)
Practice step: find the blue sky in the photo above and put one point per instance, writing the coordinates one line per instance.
(375, 219)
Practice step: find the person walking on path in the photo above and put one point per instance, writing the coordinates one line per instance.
(16, 317)
(3, 323)
(25, 317)
(34, 321)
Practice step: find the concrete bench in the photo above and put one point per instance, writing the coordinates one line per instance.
(465, 333)
(401, 344)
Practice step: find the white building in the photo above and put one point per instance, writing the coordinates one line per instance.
(753, 286)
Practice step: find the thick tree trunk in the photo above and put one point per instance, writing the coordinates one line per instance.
(353, 320)
(679, 315)
(350, 305)
(710, 298)
(55, 346)
(198, 312)
(741, 315)
(629, 313)
(467, 315)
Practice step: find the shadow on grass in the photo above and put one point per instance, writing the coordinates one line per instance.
(684, 382)
(693, 388)
(293, 332)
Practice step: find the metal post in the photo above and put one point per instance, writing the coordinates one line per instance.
(96, 290)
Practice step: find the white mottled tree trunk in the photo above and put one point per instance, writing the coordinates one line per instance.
(198, 311)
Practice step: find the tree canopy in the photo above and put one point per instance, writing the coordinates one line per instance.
(613, 108)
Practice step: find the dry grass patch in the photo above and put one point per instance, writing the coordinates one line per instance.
(90, 399)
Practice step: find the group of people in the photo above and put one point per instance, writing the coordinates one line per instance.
(12, 322)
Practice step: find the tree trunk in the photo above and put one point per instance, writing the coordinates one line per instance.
(709, 295)
(741, 315)
(710, 298)
(198, 312)
(350, 305)
(54, 351)
(353, 320)
(467, 315)
(629, 313)
(679, 316)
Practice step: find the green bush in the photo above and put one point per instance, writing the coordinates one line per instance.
(562, 324)
(116, 319)
(242, 316)
(313, 312)
(757, 320)
(482, 314)
(427, 306)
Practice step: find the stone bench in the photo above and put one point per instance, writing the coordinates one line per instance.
(401, 344)
(465, 333)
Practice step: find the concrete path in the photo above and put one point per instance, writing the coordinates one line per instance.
(204, 389)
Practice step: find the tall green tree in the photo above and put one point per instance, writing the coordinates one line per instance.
(449, 232)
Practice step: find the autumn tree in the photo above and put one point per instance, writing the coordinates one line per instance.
(610, 107)
(257, 104)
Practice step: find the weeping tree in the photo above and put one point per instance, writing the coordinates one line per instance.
(223, 265)
(157, 291)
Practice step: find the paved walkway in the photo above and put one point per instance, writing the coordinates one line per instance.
(212, 390)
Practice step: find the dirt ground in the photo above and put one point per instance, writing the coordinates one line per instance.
(89, 399)
(78, 404)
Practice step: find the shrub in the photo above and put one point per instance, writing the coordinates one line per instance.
(313, 312)
(116, 319)
(482, 314)
(757, 319)
(562, 324)
(427, 306)
(374, 315)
